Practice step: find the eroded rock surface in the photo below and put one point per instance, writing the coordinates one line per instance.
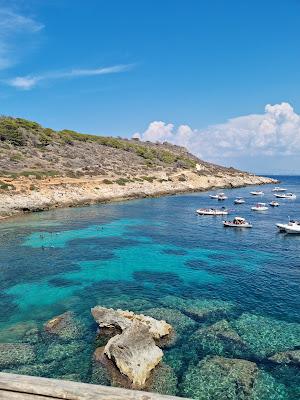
(134, 352)
(121, 320)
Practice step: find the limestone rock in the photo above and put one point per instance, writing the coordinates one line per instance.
(134, 352)
(121, 320)
(66, 326)
(287, 357)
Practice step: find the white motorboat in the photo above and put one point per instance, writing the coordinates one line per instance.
(274, 204)
(291, 196)
(278, 189)
(218, 196)
(212, 211)
(239, 200)
(257, 193)
(260, 207)
(291, 227)
(237, 222)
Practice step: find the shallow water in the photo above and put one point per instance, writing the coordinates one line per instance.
(136, 255)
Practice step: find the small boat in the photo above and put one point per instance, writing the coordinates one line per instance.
(291, 196)
(260, 207)
(212, 211)
(274, 204)
(218, 196)
(222, 197)
(239, 200)
(291, 227)
(237, 222)
(278, 189)
(257, 193)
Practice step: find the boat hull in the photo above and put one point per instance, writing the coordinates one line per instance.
(213, 213)
(231, 225)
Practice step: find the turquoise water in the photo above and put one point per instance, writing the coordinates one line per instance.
(156, 256)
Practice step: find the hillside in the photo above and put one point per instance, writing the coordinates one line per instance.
(42, 168)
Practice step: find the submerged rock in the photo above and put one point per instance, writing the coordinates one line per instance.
(287, 357)
(57, 351)
(266, 336)
(15, 354)
(220, 378)
(199, 309)
(119, 320)
(162, 380)
(218, 339)
(66, 326)
(134, 352)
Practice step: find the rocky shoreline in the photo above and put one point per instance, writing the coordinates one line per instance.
(32, 195)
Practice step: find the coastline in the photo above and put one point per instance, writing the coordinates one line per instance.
(32, 195)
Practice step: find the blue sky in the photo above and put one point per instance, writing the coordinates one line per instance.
(114, 67)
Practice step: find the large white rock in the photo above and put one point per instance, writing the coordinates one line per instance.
(119, 319)
(134, 352)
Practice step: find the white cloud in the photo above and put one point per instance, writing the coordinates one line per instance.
(14, 26)
(30, 81)
(275, 132)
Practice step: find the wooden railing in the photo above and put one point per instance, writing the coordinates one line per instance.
(23, 387)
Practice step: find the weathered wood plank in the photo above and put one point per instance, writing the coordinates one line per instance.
(36, 388)
(4, 395)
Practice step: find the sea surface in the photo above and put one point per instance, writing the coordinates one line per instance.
(156, 256)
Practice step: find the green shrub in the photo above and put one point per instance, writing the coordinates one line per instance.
(148, 178)
(122, 181)
(6, 186)
(107, 182)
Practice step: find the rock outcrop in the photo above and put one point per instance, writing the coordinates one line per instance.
(135, 353)
(120, 320)
(133, 348)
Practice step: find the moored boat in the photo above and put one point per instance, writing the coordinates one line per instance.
(239, 200)
(291, 196)
(218, 196)
(278, 189)
(290, 227)
(274, 204)
(260, 207)
(212, 211)
(257, 193)
(237, 222)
